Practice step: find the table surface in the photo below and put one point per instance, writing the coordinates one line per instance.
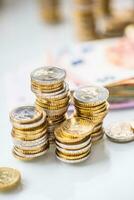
(107, 174)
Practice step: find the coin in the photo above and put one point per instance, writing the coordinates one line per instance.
(48, 75)
(92, 95)
(31, 125)
(77, 127)
(25, 114)
(120, 132)
(61, 137)
(9, 178)
(74, 151)
(77, 145)
(72, 157)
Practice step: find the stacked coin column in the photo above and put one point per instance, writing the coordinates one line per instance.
(91, 102)
(29, 132)
(84, 20)
(52, 95)
(50, 12)
(73, 140)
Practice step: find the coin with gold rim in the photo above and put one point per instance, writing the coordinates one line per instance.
(9, 178)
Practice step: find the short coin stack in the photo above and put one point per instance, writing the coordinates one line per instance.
(29, 132)
(84, 20)
(50, 12)
(52, 95)
(91, 102)
(73, 140)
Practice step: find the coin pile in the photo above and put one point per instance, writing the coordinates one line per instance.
(73, 140)
(120, 132)
(52, 95)
(50, 12)
(91, 102)
(84, 20)
(29, 132)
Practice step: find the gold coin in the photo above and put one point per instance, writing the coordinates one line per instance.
(9, 178)
(94, 110)
(72, 157)
(30, 132)
(18, 157)
(93, 114)
(77, 127)
(94, 120)
(53, 103)
(52, 86)
(28, 138)
(47, 87)
(90, 107)
(96, 139)
(97, 133)
(52, 107)
(61, 137)
(47, 90)
(32, 151)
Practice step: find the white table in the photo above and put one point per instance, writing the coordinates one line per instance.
(108, 174)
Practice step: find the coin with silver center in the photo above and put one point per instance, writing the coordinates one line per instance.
(25, 114)
(91, 94)
(48, 75)
(120, 132)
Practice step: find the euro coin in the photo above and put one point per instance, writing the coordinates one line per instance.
(9, 178)
(77, 127)
(120, 132)
(48, 75)
(91, 95)
(25, 114)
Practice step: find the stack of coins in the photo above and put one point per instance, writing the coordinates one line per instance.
(73, 140)
(50, 12)
(29, 132)
(84, 20)
(52, 95)
(91, 102)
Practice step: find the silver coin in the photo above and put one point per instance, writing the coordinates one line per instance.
(120, 132)
(31, 125)
(25, 114)
(74, 146)
(73, 161)
(74, 151)
(48, 75)
(91, 94)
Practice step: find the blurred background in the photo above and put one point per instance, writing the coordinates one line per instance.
(60, 32)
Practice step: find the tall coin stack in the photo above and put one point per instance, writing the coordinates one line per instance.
(73, 140)
(84, 20)
(91, 102)
(50, 12)
(29, 132)
(52, 95)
